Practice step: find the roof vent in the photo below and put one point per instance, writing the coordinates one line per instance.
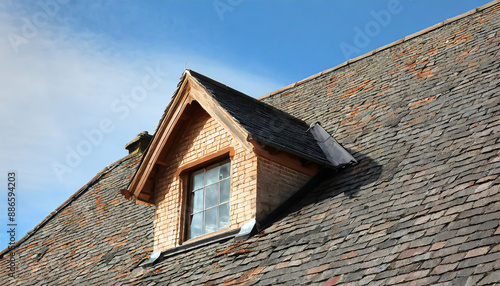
(140, 143)
(334, 152)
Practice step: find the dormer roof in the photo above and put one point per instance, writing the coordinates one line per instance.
(250, 121)
(265, 123)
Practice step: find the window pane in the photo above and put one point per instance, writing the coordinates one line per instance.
(198, 201)
(196, 225)
(224, 190)
(225, 171)
(212, 175)
(210, 220)
(223, 216)
(198, 180)
(211, 195)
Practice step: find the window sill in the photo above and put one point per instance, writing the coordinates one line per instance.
(206, 236)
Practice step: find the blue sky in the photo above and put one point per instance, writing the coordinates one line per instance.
(68, 66)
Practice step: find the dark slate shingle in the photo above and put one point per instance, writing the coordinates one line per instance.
(265, 123)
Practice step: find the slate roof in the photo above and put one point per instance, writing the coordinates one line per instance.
(421, 207)
(96, 237)
(266, 124)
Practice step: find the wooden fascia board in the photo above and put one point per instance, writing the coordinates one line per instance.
(213, 108)
(208, 159)
(137, 201)
(158, 147)
(176, 108)
(189, 90)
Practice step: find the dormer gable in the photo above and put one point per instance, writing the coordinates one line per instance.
(220, 158)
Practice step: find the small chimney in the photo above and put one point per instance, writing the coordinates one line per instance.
(140, 143)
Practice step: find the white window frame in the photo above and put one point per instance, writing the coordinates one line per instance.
(217, 206)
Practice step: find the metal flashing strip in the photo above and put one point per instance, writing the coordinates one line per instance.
(334, 152)
(191, 246)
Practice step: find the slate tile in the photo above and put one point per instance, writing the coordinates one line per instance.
(477, 251)
(424, 281)
(413, 252)
(478, 259)
(448, 276)
(446, 251)
(494, 277)
(469, 245)
(440, 269)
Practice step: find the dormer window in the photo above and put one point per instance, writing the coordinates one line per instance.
(209, 199)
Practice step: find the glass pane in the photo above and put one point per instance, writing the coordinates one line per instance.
(211, 196)
(224, 190)
(198, 180)
(196, 225)
(223, 216)
(210, 220)
(212, 175)
(225, 171)
(198, 201)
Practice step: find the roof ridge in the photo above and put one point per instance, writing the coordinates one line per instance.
(400, 41)
(66, 203)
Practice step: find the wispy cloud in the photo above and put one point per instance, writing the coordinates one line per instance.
(61, 83)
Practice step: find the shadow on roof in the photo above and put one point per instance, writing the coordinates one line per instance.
(351, 180)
